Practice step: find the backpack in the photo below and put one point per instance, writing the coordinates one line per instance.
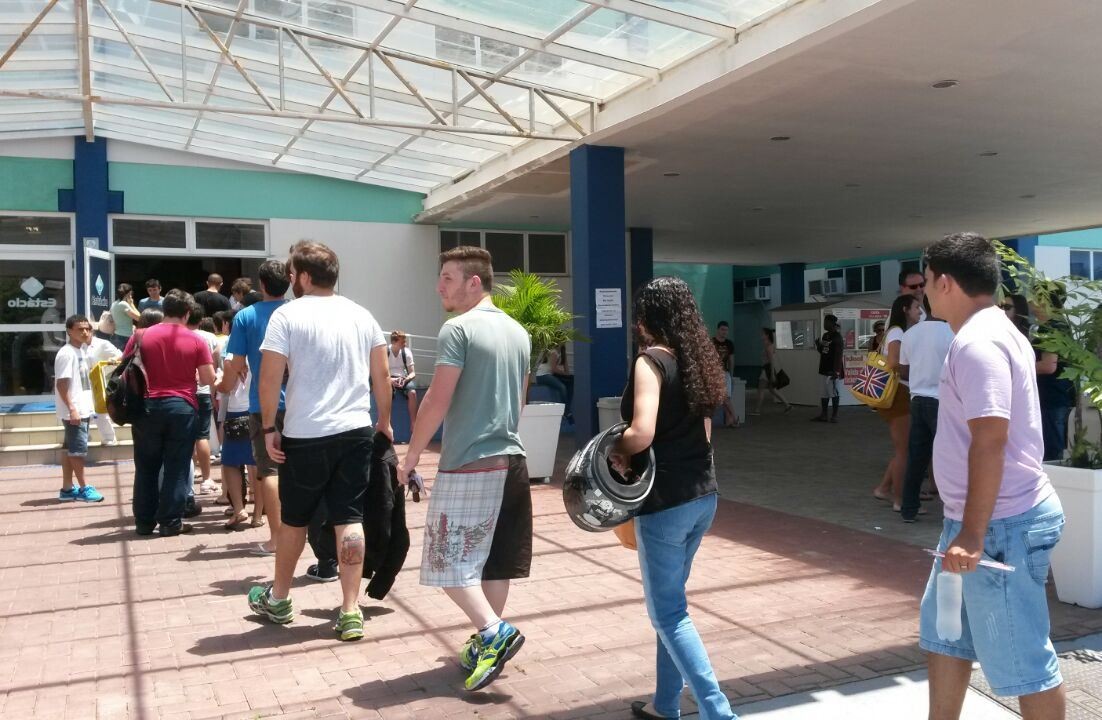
(126, 390)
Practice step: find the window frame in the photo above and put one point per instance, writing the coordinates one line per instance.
(746, 284)
(841, 273)
(1095, 267)
(190, 247)
(525, 233)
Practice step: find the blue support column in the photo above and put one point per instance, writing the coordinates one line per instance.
(642, 259)
(792, 283)
(1024, 246)
(597, 262)
(91, 201)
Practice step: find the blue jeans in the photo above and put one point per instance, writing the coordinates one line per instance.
(164, 438)
(920, 450)
(1054, 429)
(558, 386)
(667, 541)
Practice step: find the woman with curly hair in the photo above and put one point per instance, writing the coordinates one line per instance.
(675, 386)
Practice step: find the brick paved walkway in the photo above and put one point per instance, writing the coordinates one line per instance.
(96, 622)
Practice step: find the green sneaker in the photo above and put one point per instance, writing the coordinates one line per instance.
(493, 656)
(350, 625)
(260, 601)
(468, 654)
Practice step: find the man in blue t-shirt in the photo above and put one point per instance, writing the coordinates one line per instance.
(249, 326)
(153, 289)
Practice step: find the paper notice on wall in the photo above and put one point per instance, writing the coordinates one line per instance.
(609, 308)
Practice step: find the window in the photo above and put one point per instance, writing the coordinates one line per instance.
(150, 233)
(748, 290)
(35, 230)
(858, 278)
(539, 253)
(911, 266)
(473, 51)
(1086, 264)
(228, 236)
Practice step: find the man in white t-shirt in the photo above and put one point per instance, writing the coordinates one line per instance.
(334, 353)
(206, 402)
(403, 373)
(101, 350)
(999, 502)
(73, 401)
(922, 354)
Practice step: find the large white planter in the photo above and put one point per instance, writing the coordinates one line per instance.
(1077, 558)
(539, 434)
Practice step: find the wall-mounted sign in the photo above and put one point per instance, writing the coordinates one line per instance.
(609, 308)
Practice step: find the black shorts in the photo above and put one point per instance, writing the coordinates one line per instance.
(206, 409)
(335, 468)
(511, 551)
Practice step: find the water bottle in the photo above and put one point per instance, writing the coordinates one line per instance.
(950, 586)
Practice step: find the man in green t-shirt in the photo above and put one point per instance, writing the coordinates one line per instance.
(478, 530)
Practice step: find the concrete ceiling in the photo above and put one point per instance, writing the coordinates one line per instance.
(860, 111)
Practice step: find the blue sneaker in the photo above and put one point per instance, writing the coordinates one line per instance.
(493, 656)
(68, 495)
(89, 494)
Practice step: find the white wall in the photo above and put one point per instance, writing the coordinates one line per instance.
(1053, 261)
(388, 268)
(57, 148)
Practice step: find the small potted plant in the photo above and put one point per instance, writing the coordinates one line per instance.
(1073, 335)
(536, 304)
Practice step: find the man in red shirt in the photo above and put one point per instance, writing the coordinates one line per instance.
(165, 435)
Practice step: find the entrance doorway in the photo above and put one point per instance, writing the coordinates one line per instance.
(35, 299)
(186, 273)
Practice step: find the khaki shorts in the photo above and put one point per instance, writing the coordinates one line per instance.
(265, 466)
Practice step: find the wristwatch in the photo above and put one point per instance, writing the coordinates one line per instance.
(269, 430)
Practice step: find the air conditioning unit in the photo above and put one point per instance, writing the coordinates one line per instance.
(761, 292)
(834, 286)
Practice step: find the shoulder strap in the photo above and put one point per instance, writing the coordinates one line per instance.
(405, 363)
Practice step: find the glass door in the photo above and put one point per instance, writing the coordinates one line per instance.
(35, 299)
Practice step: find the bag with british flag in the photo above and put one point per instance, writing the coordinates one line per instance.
(875, 384)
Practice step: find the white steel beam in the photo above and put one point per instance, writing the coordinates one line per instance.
(667, 17)
(230, 35)
(80, 7)
(137, 50)
(27, 32)
(224, 49)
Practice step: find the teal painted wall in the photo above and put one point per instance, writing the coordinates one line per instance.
(711, 286)
(1090, 239)
(31, 184)
(248, 194)
(742, 272)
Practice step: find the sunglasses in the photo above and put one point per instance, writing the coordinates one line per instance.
(916, 286)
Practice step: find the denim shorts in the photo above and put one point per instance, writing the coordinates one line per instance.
(1004, 624)
(76, 438)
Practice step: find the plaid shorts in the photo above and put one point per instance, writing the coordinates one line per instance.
(478, 527)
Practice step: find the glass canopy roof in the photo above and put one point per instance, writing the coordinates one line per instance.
(411, 94)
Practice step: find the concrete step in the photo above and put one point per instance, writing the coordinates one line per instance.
(55, 434)
(14, 420)
(50, 454)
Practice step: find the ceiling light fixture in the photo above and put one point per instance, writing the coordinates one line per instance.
(756, 209)
(533, 217)
(671, 174)
(1027, 197)
(988, 153)
(942, 84)
(853, 185)
(780, 138)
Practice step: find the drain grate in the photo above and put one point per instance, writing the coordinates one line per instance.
(1082, 671)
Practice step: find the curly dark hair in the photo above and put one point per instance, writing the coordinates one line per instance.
(666, 314)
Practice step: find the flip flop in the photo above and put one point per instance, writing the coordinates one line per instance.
(260, 551)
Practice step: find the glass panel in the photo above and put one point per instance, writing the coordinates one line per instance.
(1080, 264)
(1098, 265)
(449, 239)
(728, 12)
(149, 233)
(835, 273)
(530, 18)
(872, 278)
(740, 291)
(27, 361)
(229, 236)
(547, 254)
(911, 266)
(507, 250)
(853, 279)
(32, 292)
(633, 38)
(765, 282)
(28, 230)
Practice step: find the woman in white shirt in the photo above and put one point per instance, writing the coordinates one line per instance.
(237, 449)
(906, 311)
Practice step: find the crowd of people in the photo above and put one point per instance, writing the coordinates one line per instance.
(322, 468)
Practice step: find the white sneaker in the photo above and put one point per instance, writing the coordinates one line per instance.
(209, 487)
(111, 443)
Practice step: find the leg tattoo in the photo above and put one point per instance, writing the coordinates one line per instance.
(352, 548)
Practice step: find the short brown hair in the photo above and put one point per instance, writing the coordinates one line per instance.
(475, 261)
(316, 260)
(397, 335)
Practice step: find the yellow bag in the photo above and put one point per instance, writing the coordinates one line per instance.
(99, 375)
(625, 533)
(875, 385)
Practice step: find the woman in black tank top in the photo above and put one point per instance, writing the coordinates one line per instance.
(675, 386)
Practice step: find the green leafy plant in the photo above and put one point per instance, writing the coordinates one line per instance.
(1072, 333)
(536, 304)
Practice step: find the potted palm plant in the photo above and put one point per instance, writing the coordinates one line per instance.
(536, 304)
(1073, 335)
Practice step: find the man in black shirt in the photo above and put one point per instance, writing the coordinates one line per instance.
(726, 351)
(831, 369)
(212, 299)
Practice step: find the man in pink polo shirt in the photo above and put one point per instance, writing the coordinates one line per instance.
(999, 503)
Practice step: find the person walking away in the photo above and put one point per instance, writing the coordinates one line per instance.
(831, 368)
(125, 314)
(334, 353)
(212, 300)
(478, 528)
(164, 437)
(767, 381)
(906, 312)
(921, 356)
(998, 500)
(1057, 394)
(402, 371)
(726, 351)
(237, 451)
(206, 403)
(154, 299)
(102, 350)
(73, 403)
(246, 335)
(674, 388)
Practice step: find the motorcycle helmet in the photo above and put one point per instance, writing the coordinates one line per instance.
(598, 498)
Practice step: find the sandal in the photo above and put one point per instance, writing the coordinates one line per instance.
(881, 496)
(228, 511)
(258, 522)
(236, 520)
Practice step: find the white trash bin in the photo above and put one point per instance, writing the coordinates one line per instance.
(608, 412)
(737, 388)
